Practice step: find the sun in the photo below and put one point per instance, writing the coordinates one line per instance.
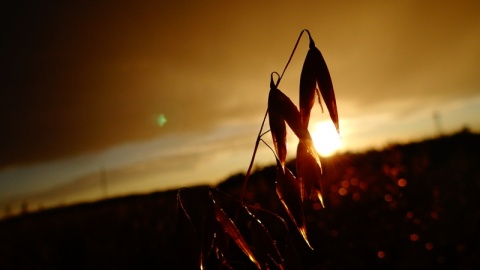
(325, 138)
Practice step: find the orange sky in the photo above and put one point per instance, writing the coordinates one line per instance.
(82, 82)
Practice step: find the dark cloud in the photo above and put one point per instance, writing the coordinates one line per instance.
(79, 77)
(419, 50)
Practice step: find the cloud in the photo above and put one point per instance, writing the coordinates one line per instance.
(404, 50)
(165, 162)
(84, 78)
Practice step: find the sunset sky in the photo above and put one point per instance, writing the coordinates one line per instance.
(82, 86)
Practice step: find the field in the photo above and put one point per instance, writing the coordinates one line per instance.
(411, 206)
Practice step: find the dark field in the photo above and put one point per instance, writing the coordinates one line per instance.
(413, 206)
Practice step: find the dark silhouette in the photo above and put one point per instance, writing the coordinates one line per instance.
(411, 206)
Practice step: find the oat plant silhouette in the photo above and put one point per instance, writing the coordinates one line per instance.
(220, 221)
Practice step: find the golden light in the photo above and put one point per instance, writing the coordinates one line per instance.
(325, 137)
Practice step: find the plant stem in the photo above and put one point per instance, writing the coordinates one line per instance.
(291, 55)
(260, 134)
(249, 171)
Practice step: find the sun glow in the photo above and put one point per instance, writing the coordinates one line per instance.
(325, 138)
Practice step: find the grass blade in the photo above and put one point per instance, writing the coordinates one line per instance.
(231, 230)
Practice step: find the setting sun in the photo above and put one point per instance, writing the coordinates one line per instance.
(325, 137)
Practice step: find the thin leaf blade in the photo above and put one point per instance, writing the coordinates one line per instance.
(231, 230)
(198, 210)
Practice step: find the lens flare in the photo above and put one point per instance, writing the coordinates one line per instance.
(161, 120)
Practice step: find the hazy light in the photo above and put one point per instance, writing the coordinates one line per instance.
(325, 137)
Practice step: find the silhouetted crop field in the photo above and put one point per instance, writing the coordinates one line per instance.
(412, 206)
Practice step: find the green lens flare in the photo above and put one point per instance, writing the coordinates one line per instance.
(161, 120)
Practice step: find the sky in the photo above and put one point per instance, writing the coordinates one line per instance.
(82, 86)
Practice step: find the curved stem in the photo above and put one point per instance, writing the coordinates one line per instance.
(260, 134)
(265, 133)
(271, 149)
(291, 55)
(249, 171)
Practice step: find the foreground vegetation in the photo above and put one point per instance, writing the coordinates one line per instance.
(406, 207)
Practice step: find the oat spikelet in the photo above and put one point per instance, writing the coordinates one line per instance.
(315, 73)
